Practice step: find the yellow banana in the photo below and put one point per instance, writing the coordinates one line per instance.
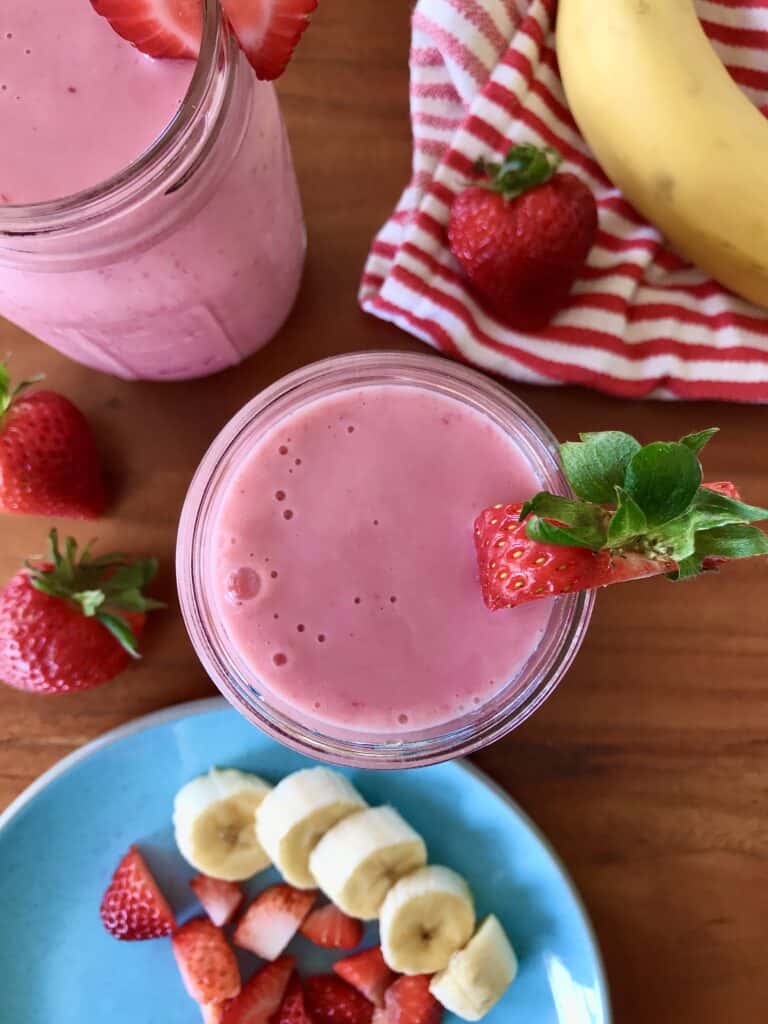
(672, 130)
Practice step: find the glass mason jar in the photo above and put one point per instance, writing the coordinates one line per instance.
(511, 704)
(185, 262)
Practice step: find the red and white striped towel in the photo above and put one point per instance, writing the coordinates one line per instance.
(640, 322)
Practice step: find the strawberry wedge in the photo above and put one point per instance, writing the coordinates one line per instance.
(268, 31)
(206, 962)
(638, 512)
(272, 920)
(133, 907)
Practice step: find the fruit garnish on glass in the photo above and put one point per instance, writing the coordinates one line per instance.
(268, 31)
(75, 621)
(638, 511)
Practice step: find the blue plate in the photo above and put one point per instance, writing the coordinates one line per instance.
(61, 840)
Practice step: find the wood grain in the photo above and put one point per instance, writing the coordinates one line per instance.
(648, 768)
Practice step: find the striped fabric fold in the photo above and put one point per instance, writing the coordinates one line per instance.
(641, 323)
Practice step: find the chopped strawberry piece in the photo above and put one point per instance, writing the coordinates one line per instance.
(368, 973)
(273, 919)
(220, 900)
(409, 1001)
(292, 1010)
(133, 908)
(515, 569)
(270, 31)
(262, 996)
(330, 927)
(330, 1000)
(213, 1013)
(206, 961)
(159, 28)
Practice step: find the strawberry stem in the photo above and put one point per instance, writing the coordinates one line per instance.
(524, 167)
(103, 588)
(9, 394)
(648, 500)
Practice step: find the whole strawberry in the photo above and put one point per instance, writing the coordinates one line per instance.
(73, 623)
(49, 465)
(522, 235)
(638, 511)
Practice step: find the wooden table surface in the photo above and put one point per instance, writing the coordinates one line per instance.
(647, 769)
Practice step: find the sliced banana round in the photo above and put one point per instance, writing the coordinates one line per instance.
(426, 917)
(478, 976)
(213, 818)
(297, 814)
(361, 858)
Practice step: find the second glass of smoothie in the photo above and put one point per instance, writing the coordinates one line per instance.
(327, 570)
(150, 222)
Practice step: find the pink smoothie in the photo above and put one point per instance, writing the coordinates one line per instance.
(77, 104)
(344, 564)
(192, 274)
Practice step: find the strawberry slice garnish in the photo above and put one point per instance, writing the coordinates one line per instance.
(269, 31)
(638, 511)
(220, 900)
(262, 996)
(273, 919)
(330, 1000)
(133, 908)
(330, 927)
(292, 1010)
(159, 28)
(206, 962)
(368, 973)
(409, 1001)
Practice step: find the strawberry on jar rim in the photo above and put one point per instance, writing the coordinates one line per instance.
(522, 233)
(49, 464)
(74, 622)
(268, 31)
(639, 511)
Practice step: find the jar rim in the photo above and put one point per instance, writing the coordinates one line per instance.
(512, 705)
(107, 197)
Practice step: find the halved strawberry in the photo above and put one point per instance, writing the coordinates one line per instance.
(220, 900)
(159, 28)
(292, 1009)
(332, 928)
(329, 1000)
(515, 569)
(638, 511)
(261, 997)
(206, 962)
(133, 908)
(368, 973)
(269, 31)
(409, 1001)
(273, 919)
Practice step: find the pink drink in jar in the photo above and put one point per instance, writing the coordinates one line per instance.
(150, 223)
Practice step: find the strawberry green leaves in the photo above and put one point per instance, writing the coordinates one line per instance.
(103, 588)
(597, 464)
(647, 500)
(7, 392)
